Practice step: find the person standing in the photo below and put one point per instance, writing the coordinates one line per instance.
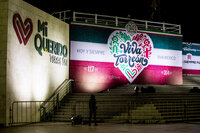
(92, 107)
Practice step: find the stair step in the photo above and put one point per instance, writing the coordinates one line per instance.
(121, 105)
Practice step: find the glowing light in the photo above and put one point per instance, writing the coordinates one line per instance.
(94, 82)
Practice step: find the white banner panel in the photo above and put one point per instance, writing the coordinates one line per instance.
(87, 51)
(165, 57)
(191, 62)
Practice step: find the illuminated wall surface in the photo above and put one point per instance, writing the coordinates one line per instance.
(95, 64)
(3, 43)
(191, 58)
(37, 51)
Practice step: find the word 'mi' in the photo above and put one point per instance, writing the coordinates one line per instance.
(44, 44)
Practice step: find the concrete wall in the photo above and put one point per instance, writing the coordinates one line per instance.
(3, 49)
(30, 71)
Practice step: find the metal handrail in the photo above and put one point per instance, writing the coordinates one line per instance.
(22, 112)
(56, 97)
(56, 93)
(25, 112)
(81, 108)
(116, 21)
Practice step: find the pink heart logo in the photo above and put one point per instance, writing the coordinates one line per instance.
(22, 29)
(131, 52)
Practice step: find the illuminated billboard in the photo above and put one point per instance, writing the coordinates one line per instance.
(35, 51)
(102, 57)
(38, 52)
(191, 58)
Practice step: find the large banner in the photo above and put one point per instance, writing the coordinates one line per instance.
(191, 58)
(103, 57)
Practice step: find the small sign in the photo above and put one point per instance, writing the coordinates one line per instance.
(131, 28)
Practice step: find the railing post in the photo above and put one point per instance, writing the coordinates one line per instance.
(60, 15)
(71, 86)
(64, 16)
(74, 16)
(179, 27)
(163, 27)
(57, 101)
(11, 115)
(146, 25)
(43, 115)
(95, 19)
(116, 21)
(129, 115)
(185, 110)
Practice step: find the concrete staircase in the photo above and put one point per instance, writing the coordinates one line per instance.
(170, 103)
(77, 104)
(147, 113)
(189, 81)
(129, 108)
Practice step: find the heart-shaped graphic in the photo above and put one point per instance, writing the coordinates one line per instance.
(23, 30)
(131, 54)
(131, 73)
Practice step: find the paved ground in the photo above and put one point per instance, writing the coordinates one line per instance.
(105, 128)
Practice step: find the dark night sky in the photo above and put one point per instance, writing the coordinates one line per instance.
(181, 12)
